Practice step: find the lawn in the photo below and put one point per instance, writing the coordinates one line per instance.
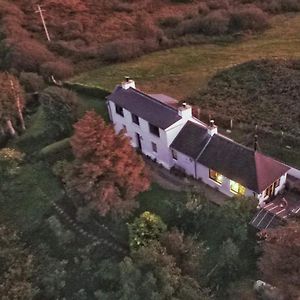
(181, 71)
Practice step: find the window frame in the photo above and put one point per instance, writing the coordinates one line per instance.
(213, 175)
(119, 110)
(154, 130)
(241, 189)
(135, 119)
(154, 147)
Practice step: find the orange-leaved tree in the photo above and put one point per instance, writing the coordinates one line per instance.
(11, 103)
(107, 174)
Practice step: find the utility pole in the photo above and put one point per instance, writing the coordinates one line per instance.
(40, 11)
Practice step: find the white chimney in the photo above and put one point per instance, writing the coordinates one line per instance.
(212, 128)
(128, 83)
(185, 111)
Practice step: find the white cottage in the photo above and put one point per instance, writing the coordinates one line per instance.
(168, 133)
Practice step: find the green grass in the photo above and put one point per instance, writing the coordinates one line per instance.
(25, 198)
(161, 202)
(181, 71)
(87, 103)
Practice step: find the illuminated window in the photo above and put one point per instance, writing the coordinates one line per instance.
(237, 188)
(217, 177)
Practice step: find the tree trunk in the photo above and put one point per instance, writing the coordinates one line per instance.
(18, 105)
(11, 128)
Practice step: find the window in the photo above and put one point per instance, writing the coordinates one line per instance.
(154, 147)
(237, 188)
(119, 110)
(174, 154)
(215, 176)
(135, 119)
(277, 182)
(154, 129)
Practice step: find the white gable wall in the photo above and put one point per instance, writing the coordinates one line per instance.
(162, 142)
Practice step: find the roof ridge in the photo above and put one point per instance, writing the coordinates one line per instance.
(153, 99)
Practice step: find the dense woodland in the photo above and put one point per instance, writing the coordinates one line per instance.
(80, 217)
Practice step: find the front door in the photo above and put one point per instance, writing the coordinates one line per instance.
(270, 191)
(138, 141)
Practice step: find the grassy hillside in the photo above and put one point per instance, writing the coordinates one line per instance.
(181, 71)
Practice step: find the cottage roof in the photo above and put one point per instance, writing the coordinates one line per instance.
(191, 139)
(145, 107)
(250, 168)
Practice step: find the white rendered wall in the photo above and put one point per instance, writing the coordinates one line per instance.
(185, 162)
(162, 142)
(203, 174)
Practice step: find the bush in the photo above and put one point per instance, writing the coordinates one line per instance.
(32, 82)
(59, 69)
(248, 18)
(169, 22)
(121, 50)
(27, 55)
(10, 160)
(215, 23)
(218, 4)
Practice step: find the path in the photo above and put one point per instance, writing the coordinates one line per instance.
(169, 181)
(113, 243)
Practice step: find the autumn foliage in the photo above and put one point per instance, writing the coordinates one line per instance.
(107, 174)
(280, 262)
(11, 103)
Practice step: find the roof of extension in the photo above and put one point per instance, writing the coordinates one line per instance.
(144, 106)
(250, 168)
(191, 139)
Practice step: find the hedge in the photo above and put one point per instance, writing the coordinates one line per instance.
(93, 91)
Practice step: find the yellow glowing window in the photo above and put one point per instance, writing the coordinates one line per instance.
(217, 177)
(237, 188)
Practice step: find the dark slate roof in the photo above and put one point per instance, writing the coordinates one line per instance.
(145, 107)
(191, 139)
(241, 164)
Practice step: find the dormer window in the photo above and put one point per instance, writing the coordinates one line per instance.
(215, 176)
(119, 110)
(135, 119)
(154, 129)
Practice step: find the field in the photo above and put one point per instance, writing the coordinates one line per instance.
(181, 71)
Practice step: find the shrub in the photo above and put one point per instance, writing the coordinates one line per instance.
(121, 50)
(248, 18)
(59, 69)
(10, 160)
(32, 82)
(215, 23)
(218, 4)
(169, 21)
(27, 55)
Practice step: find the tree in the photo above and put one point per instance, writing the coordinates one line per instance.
(16, 267)
(61, 108)
(11, 103)
(189, 253)
(144, 229)
(280, 261)
(107, 173)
